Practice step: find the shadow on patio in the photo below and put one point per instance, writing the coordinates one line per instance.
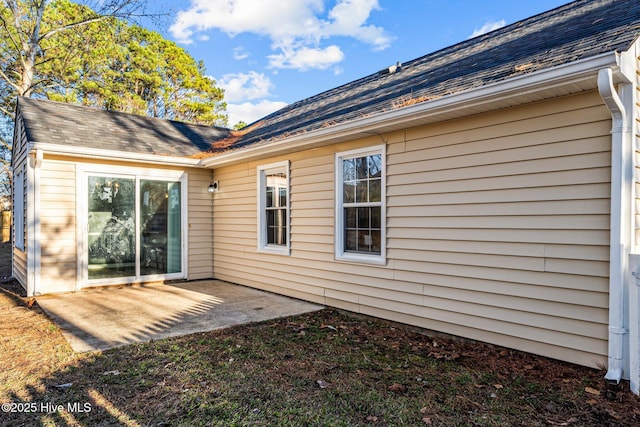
(111, 317)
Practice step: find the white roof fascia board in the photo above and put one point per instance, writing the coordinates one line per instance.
(121, 156)
(509, 89)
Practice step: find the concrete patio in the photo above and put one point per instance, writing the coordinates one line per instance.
(99, 319)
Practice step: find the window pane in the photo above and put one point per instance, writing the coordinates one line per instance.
(271, 235)
(271, 218)
(375, 190)
(375, 166)
(111, 227)
(364, 241)
(361, 192)
(276, 226)
(363, 217)
(270, 197)
(160, 227)
(349, 170)
(375, 218)
(351, 241)
(282, 197)
(350, 215)
(376, 246)
(349, 192)
(362, 168)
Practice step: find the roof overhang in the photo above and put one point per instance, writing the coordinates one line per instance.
(119, 156)
(574, 77)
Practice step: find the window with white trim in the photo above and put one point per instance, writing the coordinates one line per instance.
(360, 205)
(18, 208)
(273, 208)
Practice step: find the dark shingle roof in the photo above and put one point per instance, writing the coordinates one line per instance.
(578, 30)
(60, 123)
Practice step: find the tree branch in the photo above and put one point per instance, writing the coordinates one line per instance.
(7, 112)
(8, 81)
(73, 25)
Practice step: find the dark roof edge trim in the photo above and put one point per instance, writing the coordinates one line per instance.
(573, 72)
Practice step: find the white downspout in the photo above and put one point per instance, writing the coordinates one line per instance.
(621, 175)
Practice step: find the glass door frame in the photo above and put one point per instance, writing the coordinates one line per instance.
(83, 172)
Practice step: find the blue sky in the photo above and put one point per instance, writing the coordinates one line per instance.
(268, 53)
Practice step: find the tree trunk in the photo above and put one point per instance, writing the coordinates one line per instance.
(30, 48)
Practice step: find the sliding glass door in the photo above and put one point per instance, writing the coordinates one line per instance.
(160, 227)
(134, 228)
(112, 228)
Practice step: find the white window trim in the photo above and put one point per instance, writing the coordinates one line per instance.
(262, 172)
(340, 253)
(18, 208)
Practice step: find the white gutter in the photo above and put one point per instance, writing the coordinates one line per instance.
(620, 228)
(121, 156)
(579, 71)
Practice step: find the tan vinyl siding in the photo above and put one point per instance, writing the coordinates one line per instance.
(200, 256)
(58, 236)
(497, 229)
(19, 156)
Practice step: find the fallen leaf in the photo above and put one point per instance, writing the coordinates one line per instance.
(328, 327)
(424, 410)
(592, 402)
(114, 373)
(614, 414)
(372, 418)
(397, 387)
(479, 385)
(498, 386)
(322, 384)
(528, 367)
(427, 421)
(63, 386)
(592, 391)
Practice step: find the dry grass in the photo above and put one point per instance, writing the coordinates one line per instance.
(325, 368)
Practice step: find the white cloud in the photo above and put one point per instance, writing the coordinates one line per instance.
(245, 86)
(305, 58)
(239, 53)
(348, 18)
(488, 27)
(241, 90)
(249, 112)
(295, 27)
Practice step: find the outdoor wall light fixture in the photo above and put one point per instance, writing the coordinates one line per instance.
(213, 187)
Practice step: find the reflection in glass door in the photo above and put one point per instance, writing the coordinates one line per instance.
(134, 227)
(160, 227)
(111, 227)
